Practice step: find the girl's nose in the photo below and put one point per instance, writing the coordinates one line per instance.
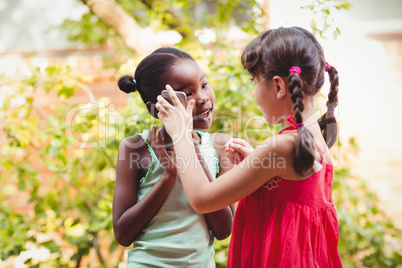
(202, 98)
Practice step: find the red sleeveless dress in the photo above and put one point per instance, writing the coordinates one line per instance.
(287, 224)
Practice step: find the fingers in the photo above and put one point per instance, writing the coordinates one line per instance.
(154, 139)
(151, 134)
(164, 157)
(158, 141)
(190, 106)
(234, 157)
(173, 96)
(231, 153)
(242, 143)
(163, 105)
(240, 149)
(237, 158)
(160, 105)
(239, 141)
(228, 143)
(162, 153)
(158, 138)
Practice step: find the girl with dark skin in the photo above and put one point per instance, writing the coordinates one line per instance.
(149, 206)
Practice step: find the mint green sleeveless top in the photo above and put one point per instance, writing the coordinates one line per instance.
(177, 236)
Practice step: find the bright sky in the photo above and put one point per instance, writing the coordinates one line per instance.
(24, 24)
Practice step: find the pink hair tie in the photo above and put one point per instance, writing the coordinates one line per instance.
(300, 125)
(327, 66)
(295, 69)
(330, 111)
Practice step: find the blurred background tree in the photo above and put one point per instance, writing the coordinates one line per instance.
(68, 212)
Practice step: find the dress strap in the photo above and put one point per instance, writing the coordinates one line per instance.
(322, 155)
(291, 119)
(319, 149)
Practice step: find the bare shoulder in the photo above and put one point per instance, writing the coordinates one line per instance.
(278, 146)
(133, 158)
(279, 143)
(133, 141)
(220, 140)
(279, 150)
(133, 144)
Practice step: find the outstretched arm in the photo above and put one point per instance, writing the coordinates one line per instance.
(220, 222)
(232, 186)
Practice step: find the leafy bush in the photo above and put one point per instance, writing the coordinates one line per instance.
(60, 163)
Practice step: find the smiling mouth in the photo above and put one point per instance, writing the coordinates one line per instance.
(206, 113)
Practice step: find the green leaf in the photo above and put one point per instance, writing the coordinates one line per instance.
(313, 25)
(113, 246)
(66, 92)
(51, 246)
(326, 26)
(336, 33)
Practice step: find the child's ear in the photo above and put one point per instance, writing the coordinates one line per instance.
(152, 109)
(281, 86)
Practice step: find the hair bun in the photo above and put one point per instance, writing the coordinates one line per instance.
(126, 84)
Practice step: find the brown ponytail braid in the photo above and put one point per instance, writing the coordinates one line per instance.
(327, 121)
(303, 150)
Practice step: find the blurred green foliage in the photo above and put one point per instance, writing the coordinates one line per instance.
(322, 15)
(368, 237)
(182, 16)
(59, 164)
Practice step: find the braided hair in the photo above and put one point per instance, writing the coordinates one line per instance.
(327, 121)
(275, 52)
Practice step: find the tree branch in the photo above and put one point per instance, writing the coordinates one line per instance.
(78, 264)
(108, 158)
(140, 40)
(97, 249)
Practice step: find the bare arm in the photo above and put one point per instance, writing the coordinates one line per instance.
(220, 222)
(232, 186)
(235, 184)
(130, 216)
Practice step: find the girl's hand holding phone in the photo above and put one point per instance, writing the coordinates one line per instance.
(181, 95)
(237, 150)
(177, 119)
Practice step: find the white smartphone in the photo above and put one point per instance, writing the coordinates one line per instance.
(181, 95)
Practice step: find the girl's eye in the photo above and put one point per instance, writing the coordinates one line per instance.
(205, 85)
(189, 94)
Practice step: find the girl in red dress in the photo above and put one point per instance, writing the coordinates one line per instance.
(285, 216)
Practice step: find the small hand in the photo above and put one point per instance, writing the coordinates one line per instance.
(157, 144)
(237, 150)
(178, 121)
